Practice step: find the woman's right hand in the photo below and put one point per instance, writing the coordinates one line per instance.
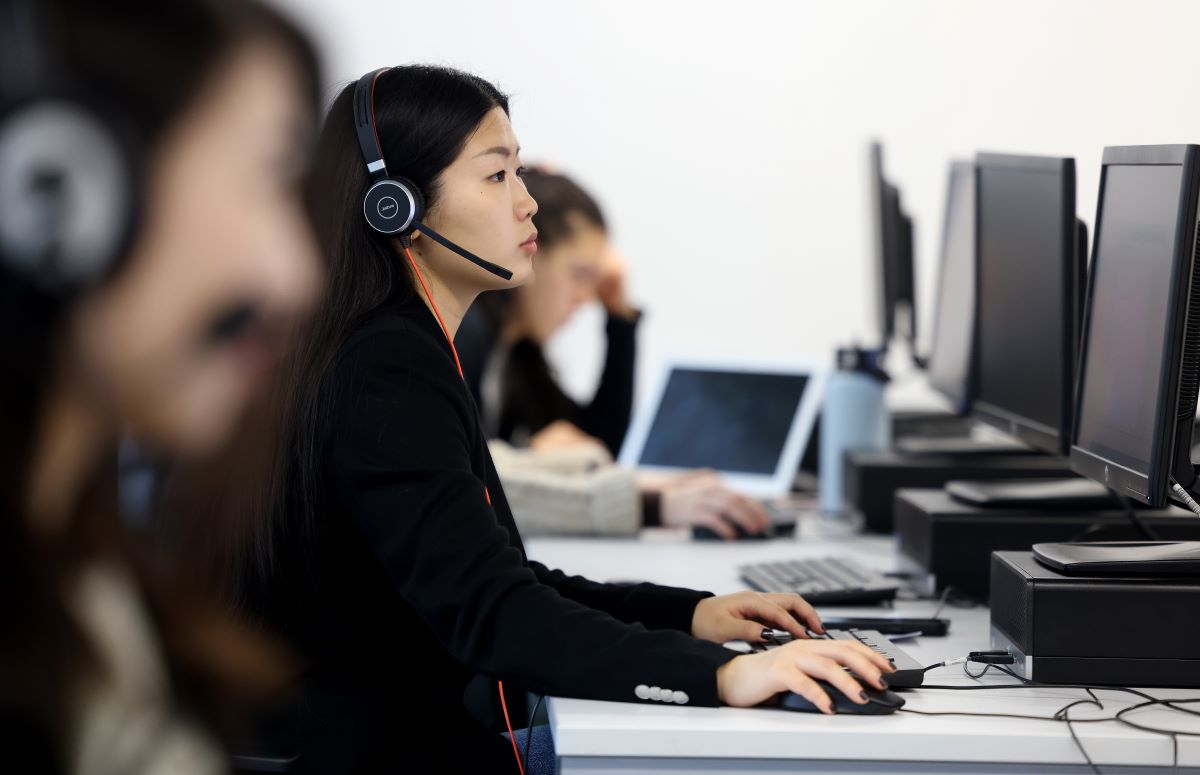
(751, 679)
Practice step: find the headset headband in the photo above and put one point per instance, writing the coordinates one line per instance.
(364, 124)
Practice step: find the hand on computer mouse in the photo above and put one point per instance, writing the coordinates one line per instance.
(699, 499)
(751, 679)
(744, 615)
(879, 702)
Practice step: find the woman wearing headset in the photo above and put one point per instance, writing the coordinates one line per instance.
(546, 443)
(109, 661)
(394, 563)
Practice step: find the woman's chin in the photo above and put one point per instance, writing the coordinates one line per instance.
(522, 269)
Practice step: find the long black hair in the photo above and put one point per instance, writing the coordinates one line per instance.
(424, 115)
(149, 63)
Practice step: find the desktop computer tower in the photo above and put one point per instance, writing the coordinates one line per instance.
(1101, 630)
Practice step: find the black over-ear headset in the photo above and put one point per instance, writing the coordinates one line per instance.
(394, 205)
(67, 177)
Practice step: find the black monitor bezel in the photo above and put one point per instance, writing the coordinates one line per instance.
(888, 230)
(906, 271)
(1151, 489)
(959, 395)
(1055, 441)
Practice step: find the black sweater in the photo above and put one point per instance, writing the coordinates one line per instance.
(414, 584)
(532, 399)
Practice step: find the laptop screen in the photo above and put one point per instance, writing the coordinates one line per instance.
(728, 421)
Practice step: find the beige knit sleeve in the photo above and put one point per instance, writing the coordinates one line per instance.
(567, 493)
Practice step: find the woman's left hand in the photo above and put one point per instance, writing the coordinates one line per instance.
(743, 615)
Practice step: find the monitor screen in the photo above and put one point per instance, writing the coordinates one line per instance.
(728, 421)
(950, 360)
(1023, 306)
(1127, 330)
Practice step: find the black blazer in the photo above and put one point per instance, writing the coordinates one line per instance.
(412, 584)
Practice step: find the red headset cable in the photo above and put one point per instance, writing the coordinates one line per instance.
(487, 495)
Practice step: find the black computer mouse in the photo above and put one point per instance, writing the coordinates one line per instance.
(879, 702)
(702, 533)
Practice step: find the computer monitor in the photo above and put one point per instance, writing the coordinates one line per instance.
(1029, 293)
(954, 313)
(893, 252)
(1141, 347)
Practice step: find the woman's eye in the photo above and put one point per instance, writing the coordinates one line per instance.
(498, 177)
(521, 172)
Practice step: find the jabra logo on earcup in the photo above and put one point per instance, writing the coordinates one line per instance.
(387, 207)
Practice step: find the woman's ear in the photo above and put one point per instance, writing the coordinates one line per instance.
(400, 244)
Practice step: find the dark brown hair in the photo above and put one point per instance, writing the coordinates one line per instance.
(147, 62)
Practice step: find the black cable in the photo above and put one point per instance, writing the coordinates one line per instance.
(978, 675)
(1063, 714)
(942, 604)
(1172, 704)
(1126, 504)
(1086, 687)
(1147, 532)
(995, 715)
(1032, 686)
(529, 732)
(1088, 532)
(1058, 717)
(951, 596)
(960, 599)
(1171, 733)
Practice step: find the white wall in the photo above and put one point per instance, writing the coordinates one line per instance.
(727, 141)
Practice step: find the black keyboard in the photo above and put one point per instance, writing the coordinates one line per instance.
(909, 672)
(828, 581)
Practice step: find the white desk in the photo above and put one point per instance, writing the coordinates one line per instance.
(603, 738)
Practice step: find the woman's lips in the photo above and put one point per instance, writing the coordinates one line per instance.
(530, 245)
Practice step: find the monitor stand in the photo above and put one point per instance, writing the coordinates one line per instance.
(962, 446)
(1073, 493)
(929, 423)
(1122, 558)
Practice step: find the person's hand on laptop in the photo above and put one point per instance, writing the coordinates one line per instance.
(699, 499)
(750, 615)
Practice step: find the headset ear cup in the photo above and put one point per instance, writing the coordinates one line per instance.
(418, 200)
(68, 192)
(392, 206)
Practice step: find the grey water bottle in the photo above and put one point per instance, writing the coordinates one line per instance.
(854, 418)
